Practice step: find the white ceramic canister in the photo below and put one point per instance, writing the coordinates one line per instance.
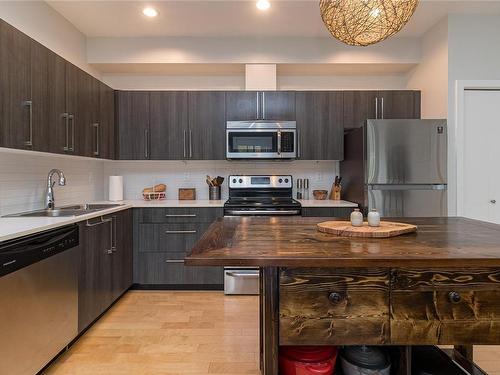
(356, 218)
(374, 218)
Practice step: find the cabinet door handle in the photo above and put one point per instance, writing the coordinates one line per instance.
(190, 144)
(71, 119)
(65, 116)
(181, 231)
(184, 144)
(180, 215)
(146, 143)
(297, 143)
(376, 108)
(113, 234)
(382, 104)
(258, 105)
(174, 261)
(102, 221)
(29, 104)
(263, 105)
(97, 140)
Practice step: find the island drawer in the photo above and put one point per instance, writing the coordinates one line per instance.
(179, 215)
(328, 306)
(169, 237)
(440, 306)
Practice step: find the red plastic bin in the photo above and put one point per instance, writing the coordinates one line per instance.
(307, 360)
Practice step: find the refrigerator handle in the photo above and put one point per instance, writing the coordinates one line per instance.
(408, 187)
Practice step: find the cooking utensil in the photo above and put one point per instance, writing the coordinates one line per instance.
(219, 180)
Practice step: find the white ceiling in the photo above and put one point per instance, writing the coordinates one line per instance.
(286, 18)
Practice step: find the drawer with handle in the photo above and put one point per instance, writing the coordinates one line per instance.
(169, 268)
(169, 237)
(179, 215)
(439, 306)
(327, 306)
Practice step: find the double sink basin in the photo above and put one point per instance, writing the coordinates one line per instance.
(73, 210)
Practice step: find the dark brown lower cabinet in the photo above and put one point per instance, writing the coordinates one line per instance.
(162, 238)
(105, 264)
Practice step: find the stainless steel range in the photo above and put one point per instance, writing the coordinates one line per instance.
(256, 196)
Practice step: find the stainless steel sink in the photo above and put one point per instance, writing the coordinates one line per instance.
(73, 210)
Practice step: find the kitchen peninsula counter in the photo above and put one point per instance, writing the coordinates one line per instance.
(438, 286)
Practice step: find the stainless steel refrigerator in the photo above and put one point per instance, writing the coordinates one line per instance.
(398, 167)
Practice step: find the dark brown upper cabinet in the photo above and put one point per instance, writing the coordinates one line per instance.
(48, 90)
(105, 131)
(320, 125)
(242, 105)
(260, 105)
(170, 138)
(399, 104)
(47, 104)
(360, 106)
(207, 124)
(278, 105)
(16, 120)
(132, 108)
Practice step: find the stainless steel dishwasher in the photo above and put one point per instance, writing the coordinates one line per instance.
(38, 299)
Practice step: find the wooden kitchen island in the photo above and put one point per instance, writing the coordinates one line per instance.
(439, 286)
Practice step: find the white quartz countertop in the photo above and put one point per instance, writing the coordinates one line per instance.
(326, 203)
(15, 227)
(173, 203)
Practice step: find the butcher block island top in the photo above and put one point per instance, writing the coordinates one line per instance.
(296, 242)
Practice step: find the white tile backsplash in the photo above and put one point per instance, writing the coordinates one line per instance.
(175, 174)
(23, 177)
(23, 180)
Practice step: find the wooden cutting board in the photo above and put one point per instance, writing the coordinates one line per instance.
(385, 230)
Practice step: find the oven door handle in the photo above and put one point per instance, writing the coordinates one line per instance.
(241, 274)
(262, 212)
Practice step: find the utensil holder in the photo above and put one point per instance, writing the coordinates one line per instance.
(214, 193)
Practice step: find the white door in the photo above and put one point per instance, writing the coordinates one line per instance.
(482, 155)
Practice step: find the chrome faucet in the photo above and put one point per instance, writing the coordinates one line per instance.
(49, 198)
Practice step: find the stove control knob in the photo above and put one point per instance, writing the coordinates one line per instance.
(240, 181)
(234, 180)
(280, 180)
(286, 180)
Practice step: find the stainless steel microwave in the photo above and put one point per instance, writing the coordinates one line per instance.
(261, 140)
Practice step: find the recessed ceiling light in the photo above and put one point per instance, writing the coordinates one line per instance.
(263, 4)
(150, 12)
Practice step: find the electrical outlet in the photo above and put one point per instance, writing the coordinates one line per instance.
(319, 176)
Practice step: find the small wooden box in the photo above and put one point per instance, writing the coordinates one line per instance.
(187, 194)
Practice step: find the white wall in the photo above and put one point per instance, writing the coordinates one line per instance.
(431, 75)
(23, 180)
(242, 50)
(42, 23)
(176, 174)
(474, 54)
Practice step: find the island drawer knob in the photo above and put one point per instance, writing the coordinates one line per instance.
(335, 297)
(454, 297)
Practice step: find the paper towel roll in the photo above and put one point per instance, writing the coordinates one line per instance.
(115, 188)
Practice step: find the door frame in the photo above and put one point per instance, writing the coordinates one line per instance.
(460, 87)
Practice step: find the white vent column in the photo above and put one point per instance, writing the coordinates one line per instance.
(260, 77)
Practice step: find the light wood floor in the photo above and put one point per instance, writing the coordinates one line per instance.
(195, 333)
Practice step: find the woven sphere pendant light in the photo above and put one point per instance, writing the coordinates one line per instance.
(365, 22)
